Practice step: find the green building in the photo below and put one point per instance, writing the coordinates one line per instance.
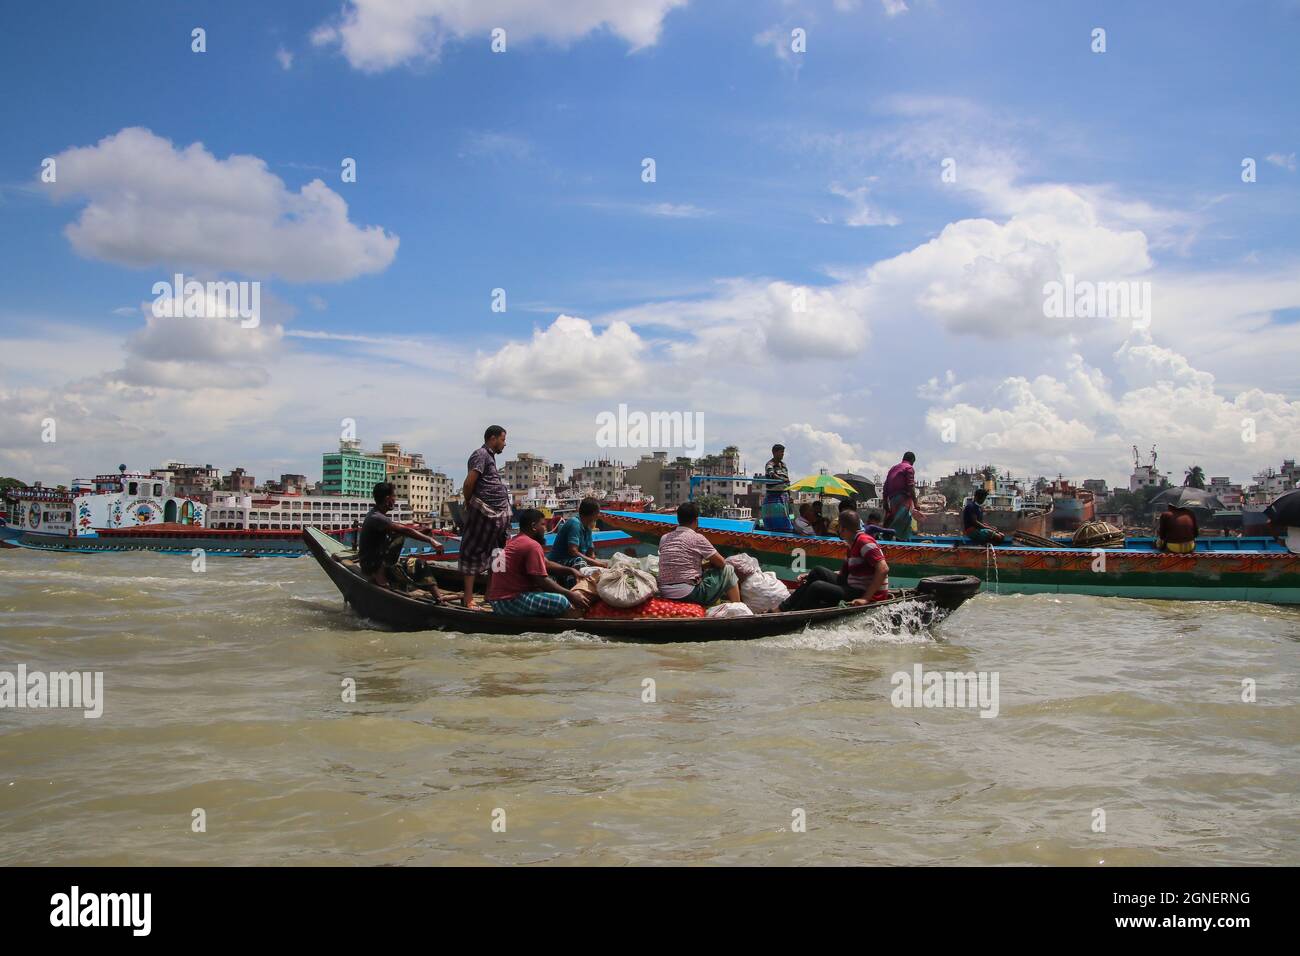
(351, 472)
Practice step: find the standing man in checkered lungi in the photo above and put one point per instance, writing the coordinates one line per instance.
(487, 511)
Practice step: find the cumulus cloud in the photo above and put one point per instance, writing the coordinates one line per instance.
(377, 35)
(567, 360)
(149, 203)
(1080, 418)
(986, 278)
(816, 448)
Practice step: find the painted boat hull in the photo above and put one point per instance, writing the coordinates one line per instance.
(220, 543)
(404, 613)
(1269, 575)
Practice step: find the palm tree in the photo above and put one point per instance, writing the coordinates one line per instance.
(1195, 478)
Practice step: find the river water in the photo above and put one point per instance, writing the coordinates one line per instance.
(223, 693)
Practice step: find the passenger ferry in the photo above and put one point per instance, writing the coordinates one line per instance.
(135, 511)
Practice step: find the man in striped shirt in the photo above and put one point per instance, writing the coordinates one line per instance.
(864, 577)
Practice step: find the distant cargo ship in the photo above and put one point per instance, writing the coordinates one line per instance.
(1071, 506)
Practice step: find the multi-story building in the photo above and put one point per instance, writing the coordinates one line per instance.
(603, 475)
(646, 472)
(396, 460)
(667, 482)
(1230, 494)
(415, 486)
(239, 481)
(726, 463)
(291, 512)
(1097, 486)
(1269, 483)
(351, 472)
(557, 475)
(191, 481)
(526, 471)
(733, 491)
(1146, 476)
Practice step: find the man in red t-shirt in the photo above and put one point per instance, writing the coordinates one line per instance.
(524, 588)
(863, 578)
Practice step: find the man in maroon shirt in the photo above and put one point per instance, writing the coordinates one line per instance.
(524, 587)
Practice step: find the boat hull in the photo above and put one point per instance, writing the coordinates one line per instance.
(220, 543)
(1069, 513)
(911, 610)
(1269, 575)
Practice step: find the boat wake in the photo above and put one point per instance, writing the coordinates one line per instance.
(908, 624)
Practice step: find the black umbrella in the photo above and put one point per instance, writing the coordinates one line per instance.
(1285, 510)
(1184, 497)
(861, 484)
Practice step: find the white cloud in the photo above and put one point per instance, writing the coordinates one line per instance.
(377, 35)
(285, 58)
(814, 448)
(152, 204)
(986, 278)
(893, 7)
(1079, 420)
(1286, 162)
(663, 210)
(780, 41)
(496, 144)
(564, 361)
(861, 212)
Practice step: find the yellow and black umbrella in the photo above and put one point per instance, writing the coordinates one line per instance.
(824, 484)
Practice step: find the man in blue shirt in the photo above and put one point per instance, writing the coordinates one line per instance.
(972, 521)
(574, 546)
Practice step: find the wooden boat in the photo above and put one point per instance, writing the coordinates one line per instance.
(911, 608)
(1221, 569)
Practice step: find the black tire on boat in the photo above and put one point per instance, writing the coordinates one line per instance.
(950, 590)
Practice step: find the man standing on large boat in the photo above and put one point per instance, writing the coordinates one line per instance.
(487, 511)
(900, 497)
(776, 503)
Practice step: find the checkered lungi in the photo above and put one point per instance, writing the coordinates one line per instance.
(480, 537)
(532, 604)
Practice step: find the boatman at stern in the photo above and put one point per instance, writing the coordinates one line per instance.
(378, 533)
(863, 578)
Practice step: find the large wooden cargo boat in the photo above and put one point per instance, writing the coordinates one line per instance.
(1221, 569)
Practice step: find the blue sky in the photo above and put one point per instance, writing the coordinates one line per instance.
(775, 171)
